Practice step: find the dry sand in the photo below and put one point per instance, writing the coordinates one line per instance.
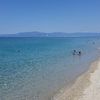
(86, 87)
(92, 92)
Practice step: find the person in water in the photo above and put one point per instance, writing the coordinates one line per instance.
(74, 52)
(79, 53)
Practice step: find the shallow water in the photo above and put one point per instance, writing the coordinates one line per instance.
(35, 68)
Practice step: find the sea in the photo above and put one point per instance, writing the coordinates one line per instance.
(36, 68)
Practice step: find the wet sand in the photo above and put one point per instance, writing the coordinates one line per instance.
(86, 87)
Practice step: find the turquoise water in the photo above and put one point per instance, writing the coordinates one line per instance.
(35, 68)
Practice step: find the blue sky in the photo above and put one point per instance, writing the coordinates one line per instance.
(49, 16)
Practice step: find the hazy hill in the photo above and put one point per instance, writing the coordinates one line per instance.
(55, 34)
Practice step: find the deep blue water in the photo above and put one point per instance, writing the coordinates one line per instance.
(35, 68)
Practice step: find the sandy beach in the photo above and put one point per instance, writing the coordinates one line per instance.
(92, 92)
(86, 87)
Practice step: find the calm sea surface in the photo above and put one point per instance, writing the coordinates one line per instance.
(36, 68)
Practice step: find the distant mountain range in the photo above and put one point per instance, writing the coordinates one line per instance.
(54, 34)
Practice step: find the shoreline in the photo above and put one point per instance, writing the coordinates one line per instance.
(76, 90)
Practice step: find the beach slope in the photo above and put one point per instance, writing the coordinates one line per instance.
(86, 87)
(92, 92)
